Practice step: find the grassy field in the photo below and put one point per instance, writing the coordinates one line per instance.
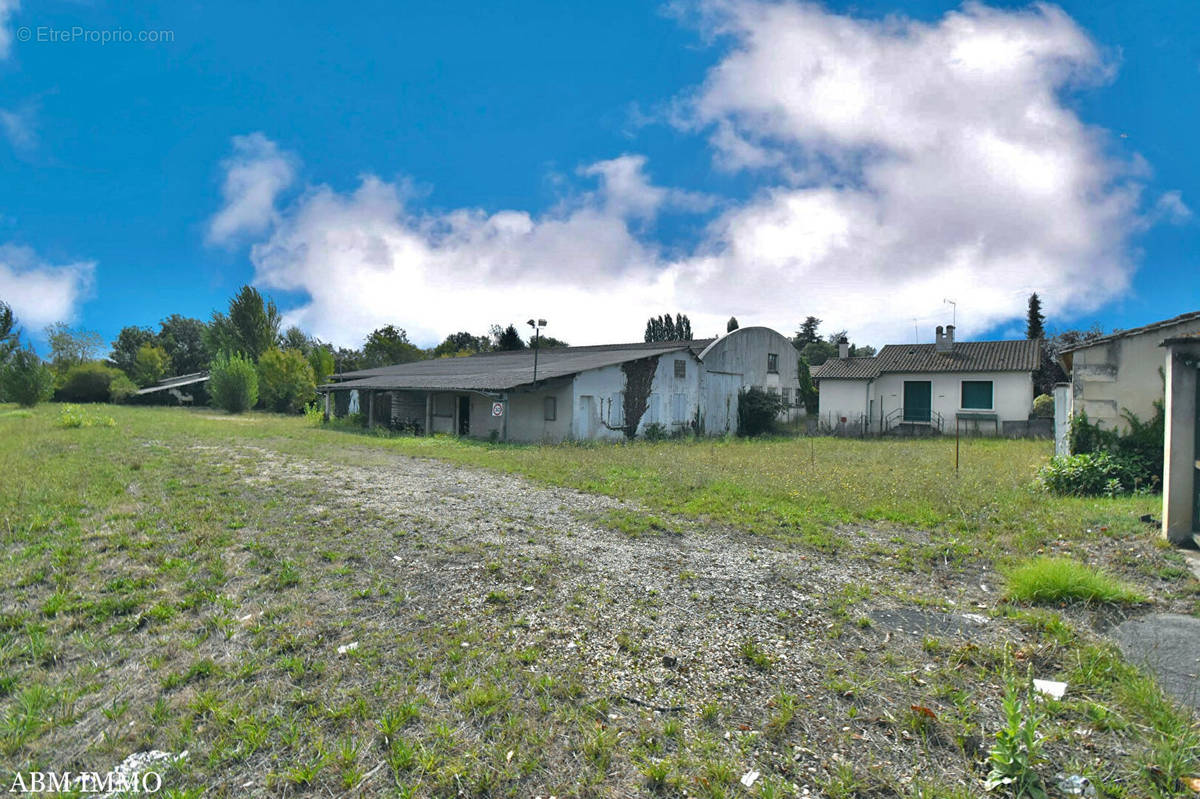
(810, 489)
(159, 595)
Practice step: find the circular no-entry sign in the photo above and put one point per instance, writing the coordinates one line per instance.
(497, 409)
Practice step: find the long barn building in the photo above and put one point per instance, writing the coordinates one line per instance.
(609, 391)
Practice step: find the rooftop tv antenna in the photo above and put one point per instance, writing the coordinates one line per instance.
(953, 312)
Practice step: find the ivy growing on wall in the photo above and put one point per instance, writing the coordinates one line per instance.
(639, 378)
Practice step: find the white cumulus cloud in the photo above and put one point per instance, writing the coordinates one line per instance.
(39, 292)
(911, 162)
(365, 259)
(255, 175)
(899, 163)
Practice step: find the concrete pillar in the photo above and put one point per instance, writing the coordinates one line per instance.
(327, 394)
(370, 409)
(1181, 460)
(1062, 417)
(428, 413)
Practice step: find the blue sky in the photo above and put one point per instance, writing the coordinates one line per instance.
(446, 167)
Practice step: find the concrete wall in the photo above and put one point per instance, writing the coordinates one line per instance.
(1181, 461)
(1122, 373)
(527, 414)
(673, 401)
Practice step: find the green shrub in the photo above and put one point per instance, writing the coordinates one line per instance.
(121, 389)
(285, 380)
(233, 383)
(90, 382)
(1140, 448)
(1043, 406)
(314, 414)
(1105, 462)
(25, 380)
(655, 431)
(1090, 474)
(1049, 579)
(757, 410)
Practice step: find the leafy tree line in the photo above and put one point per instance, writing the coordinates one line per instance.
(254, 362)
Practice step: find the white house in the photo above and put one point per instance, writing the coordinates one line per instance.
(975, 386)
(610, 391)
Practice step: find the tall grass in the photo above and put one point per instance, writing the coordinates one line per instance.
(1056, 580)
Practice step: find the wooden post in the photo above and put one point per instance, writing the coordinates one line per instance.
(370, 409)
(327, 393)
(428, 413)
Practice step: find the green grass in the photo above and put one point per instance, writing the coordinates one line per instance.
(801, 489)
(1049, 580)
(158, 597)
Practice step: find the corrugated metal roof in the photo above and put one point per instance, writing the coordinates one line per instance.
(1133, 331)
(500, 371)
(175, 382)
(847, 369)
(1021, 355)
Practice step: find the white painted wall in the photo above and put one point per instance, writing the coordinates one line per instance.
(1012, 394)
(1012, 397)
(843, 398)
(596, 398)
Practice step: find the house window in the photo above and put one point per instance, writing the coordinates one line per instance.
(680, 368)
(977, 395)
(550, 405)
(787, 398)
(772, 363)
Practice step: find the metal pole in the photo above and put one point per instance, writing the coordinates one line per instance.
(957, 422)
(536, 339)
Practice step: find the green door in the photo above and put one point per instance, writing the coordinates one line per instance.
(918, 400)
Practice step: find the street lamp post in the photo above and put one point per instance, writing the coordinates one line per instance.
(537, 326)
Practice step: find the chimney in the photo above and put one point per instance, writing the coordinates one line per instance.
(943, 339)
(843, 348)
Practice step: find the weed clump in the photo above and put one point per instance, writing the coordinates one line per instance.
(1057, 580)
